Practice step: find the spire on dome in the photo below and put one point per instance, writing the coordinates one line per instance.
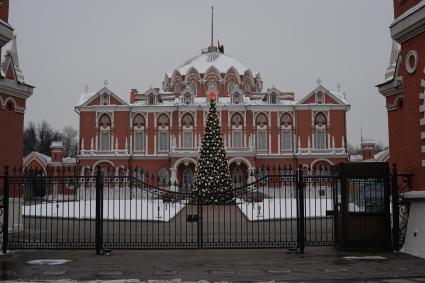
(212, 26)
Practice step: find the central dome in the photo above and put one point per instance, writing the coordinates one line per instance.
(219, 60)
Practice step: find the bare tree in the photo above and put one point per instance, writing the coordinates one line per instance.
(45, 135)
(70, 141)
(31, 141)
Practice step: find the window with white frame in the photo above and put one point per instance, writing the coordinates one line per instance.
(105, 132)
(187, 131)
(163, 140)
(163, 133)
(105, 140)
(320, 139)
(139, 132)
(236, 138)
(286, 132)
(139, 140)
(187, 138)
(320, 122)
(237, 134)
(261, 122)
(286, 140)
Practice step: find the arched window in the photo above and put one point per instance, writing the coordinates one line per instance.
(187, 178)
(237, 177)
(177, 88)
(246, 87)
(151, 99)
(286, 132)
(230, 86)
(187, 131)
(163, 176)
(10, 107)
(105, 132)
(320, 122)
(237, 134)
(139, 174)
(139, 133)
(212, 85)
(261, 123)
(163, 133)
(192, 87)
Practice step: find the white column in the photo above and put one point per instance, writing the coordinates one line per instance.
(329, 140)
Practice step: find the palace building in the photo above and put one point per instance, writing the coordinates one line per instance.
(160, 130)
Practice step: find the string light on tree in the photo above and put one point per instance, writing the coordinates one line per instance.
(212, 184)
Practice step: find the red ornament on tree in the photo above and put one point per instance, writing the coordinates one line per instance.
(212, 95)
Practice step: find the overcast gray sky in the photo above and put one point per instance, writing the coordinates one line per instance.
(64, 45)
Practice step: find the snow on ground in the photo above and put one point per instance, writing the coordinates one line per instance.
(141, 209)
(284, 208)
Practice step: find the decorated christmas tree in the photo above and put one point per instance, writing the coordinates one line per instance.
(212, 184)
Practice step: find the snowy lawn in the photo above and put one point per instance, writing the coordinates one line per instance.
(138, 209)
(284, 208)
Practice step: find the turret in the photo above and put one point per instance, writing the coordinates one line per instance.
(57, 151)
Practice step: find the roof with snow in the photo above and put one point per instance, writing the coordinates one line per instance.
(219, 60)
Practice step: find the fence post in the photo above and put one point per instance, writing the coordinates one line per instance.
(99, 211)
(5, 210)
(395, 210)
(300, 210)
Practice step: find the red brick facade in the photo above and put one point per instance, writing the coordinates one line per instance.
(404, 90)
(13, 94)
(160, 131)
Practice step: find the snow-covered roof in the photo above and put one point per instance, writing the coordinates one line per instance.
(219, 60)
(37, 155)
(85, 96)
(340, 95)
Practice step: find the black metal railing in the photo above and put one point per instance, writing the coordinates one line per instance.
(121, 208)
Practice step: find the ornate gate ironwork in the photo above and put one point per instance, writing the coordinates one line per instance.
(116, 208)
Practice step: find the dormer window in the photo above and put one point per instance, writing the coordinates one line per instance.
(177, 88)
(273, 98)
(237, 98)
(246, 87)
(151, 99)
(187, 98)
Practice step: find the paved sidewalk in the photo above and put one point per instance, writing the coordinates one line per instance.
(317, 264)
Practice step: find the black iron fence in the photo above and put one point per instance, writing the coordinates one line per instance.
(121, 208)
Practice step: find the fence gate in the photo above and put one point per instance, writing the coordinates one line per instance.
(121, 209)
